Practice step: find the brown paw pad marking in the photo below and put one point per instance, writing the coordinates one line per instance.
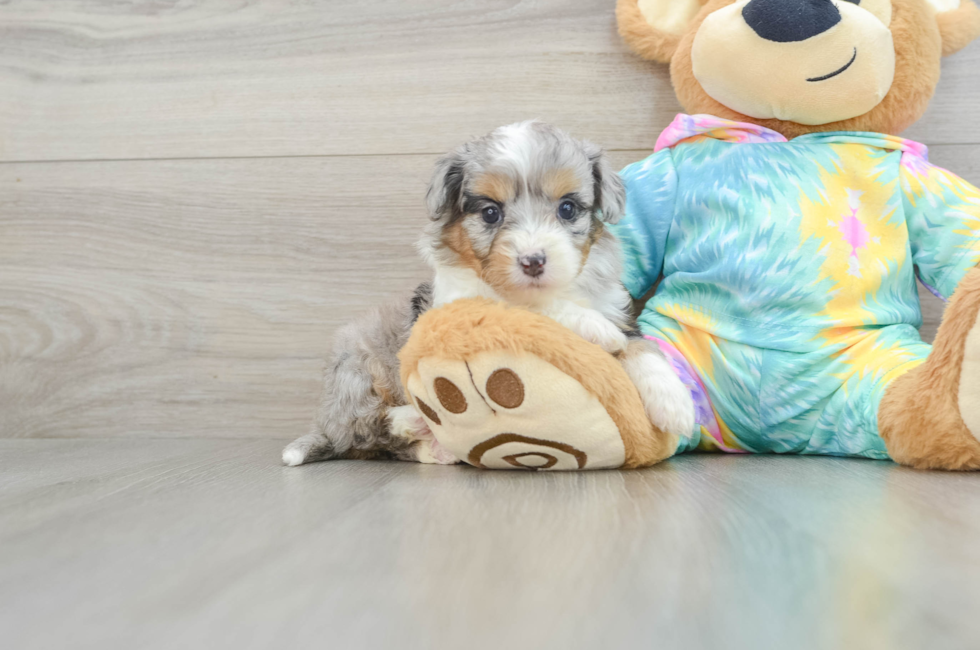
(516, 460)
(450, 396)
(476, 454)
(505, 388)
(427, 411)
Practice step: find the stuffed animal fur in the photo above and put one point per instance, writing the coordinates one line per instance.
(786, 224)
(502, 387)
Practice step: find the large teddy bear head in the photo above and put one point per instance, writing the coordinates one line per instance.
(797, 66)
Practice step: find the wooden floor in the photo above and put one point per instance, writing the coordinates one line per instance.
(195, 194)
(211, 544)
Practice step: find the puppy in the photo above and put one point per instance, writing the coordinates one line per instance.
(517, 216)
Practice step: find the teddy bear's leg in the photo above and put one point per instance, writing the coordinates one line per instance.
(502, 387)
(930, 416)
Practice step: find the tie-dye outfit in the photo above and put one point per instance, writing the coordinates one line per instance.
(788, 299)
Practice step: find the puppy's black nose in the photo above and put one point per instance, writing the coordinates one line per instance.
(789, 21)
(533, 264)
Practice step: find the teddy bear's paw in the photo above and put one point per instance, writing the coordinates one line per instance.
(514, 411)
(963, 308)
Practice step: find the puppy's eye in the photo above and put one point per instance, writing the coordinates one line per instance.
(566, 210)
(491, 214)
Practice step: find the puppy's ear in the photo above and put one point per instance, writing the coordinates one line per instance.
(610, 193)
(653, 28)
(443, 199)
(959, 23)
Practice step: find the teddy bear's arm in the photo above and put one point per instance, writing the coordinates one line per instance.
(651, 190)
(943, 215)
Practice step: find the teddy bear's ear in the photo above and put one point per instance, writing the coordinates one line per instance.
(959, 23)
(653, 28)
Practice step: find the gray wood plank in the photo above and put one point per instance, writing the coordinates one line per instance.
(209, 543)
(97, 79)
(198, 297)
(191, 298)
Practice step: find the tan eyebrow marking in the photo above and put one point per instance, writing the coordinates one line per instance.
(495, 186)
(559, 182)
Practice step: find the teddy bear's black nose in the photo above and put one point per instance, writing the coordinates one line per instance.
(788, 21)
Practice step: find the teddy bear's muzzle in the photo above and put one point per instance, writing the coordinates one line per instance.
(812, 62)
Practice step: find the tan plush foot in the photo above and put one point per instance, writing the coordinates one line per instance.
(969, 392)
(501, 410)
(930, 417)
(502, 387)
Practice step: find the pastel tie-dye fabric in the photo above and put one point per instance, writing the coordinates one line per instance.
(788, 301)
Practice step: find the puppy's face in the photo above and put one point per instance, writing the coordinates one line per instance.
(522, 207)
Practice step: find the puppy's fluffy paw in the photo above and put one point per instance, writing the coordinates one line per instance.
(671, 408)
(430, 451)
(595, 328)
(666, 400)
(405, 421)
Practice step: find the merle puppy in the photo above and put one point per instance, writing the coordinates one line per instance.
(519, 216)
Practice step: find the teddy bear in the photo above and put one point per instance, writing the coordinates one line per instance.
(784, 225)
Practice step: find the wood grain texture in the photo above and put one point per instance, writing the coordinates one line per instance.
(98, 79)
(195, 298)
(190, 298)
(212, 544)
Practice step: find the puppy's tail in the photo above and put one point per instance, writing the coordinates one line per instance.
(314, 447)
(310, 448)
(351, 416)
(361, 385)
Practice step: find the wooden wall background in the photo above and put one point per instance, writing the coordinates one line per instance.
(194, 194)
